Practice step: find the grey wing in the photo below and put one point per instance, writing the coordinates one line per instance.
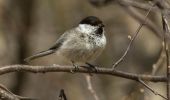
(63, 38)
(58, 43)
(67, 36)
(51, 50)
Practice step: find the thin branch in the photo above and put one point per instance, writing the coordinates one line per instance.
(132, 40)
(153, 91)
(158, 65)
(62, 95)
(166, 30)
(136, 4)
(59, 68)
(132, 3)
(12, 95)
(90, 87)
(4, 95)
(168, 70)
(141, 18)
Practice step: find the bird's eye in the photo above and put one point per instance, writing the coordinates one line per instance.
(99, 31)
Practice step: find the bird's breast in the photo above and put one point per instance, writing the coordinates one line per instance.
(83, 48)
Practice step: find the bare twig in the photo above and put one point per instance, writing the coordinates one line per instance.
(133, 38)
(148, 87)
(166, 30)
(4, 95)
(162, 4)
(90, 87)
(59, 68)
(62, 95)
(132, 3)
(168, 71)
(140, 18)
(156, 67)
(3, 88)
(136, 4)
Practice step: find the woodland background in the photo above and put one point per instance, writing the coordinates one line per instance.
(30, 26)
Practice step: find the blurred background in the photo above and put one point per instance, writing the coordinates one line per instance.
(30, 26)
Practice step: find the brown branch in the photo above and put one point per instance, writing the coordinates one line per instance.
(153, 91)
(62, 95)
(90, 87)
(132, 40)
(4, 95)
(137, 4)
(141, 18)
(132, 3)
(8, 95)
(166, 30)
(159, 63)
(58, 68)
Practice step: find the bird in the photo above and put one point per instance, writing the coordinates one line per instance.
(80, 44)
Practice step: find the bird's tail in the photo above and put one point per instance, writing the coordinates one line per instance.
(40, 54)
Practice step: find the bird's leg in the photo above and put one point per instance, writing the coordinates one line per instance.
(75, 67)
(92, 66)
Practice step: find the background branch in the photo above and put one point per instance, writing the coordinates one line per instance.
(159, 63)
(62, 95)
(4, 95)
(141, 18)
(153, 91)
(90, 87)
(136, 4)
(133, 38)
(132, 3)
(166, 48)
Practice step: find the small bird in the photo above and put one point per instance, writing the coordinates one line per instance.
(79, 45)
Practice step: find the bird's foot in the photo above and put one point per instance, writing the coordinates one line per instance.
(92, 67)
(76, 67)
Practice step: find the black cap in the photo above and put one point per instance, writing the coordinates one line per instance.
(92, 20)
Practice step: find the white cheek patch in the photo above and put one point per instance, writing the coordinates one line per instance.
(85, 28)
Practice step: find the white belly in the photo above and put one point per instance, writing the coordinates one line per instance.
(81, 54)
(83, 49)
